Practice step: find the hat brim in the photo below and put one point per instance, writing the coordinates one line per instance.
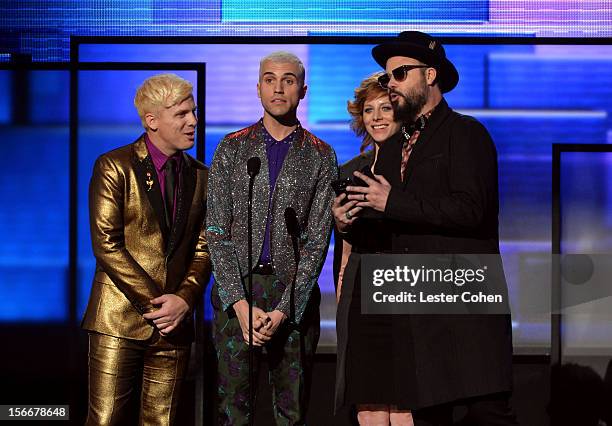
(448, 78)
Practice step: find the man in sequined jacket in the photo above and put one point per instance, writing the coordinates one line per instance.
(296, 171)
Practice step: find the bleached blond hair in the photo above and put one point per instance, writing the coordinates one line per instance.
(282, 56)
(161, 91)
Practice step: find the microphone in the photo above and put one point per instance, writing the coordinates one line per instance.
(291, 222)
(253, 166)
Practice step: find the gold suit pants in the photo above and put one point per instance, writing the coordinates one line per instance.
(116, 365)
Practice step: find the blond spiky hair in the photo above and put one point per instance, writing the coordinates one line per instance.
(161, 91)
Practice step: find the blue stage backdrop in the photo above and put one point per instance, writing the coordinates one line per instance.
(42, 29)
(528, 96)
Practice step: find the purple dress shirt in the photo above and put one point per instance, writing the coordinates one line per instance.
(159, 161)
(276, 152)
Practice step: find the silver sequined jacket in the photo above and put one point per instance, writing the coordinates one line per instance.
(303, 184)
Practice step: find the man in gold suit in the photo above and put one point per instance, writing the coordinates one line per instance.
(147, 203)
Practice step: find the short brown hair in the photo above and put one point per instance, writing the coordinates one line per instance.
(368, 88)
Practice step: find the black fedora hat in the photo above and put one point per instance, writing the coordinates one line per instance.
(425, 48)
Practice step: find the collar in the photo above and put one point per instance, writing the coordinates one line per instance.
(270, 140)
(419, 124)
(159, 158)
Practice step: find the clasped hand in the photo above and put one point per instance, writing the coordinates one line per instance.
(265, 324)
(171, 312)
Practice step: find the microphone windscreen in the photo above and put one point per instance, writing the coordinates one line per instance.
(291, 221)
(253, 166)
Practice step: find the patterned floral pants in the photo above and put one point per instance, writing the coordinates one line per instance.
(290, 356)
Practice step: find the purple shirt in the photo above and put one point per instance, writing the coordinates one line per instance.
(159, 161)
(276, 152)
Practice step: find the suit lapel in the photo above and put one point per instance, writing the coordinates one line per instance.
(291, 161)
(149, 184)
(183, 203)
(422, 144)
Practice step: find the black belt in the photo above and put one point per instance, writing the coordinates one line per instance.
(264, 268)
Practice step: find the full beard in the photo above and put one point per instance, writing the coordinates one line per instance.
(408, 111)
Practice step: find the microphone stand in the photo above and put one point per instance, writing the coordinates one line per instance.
(293, 230)
(250, 299)
(253, 166)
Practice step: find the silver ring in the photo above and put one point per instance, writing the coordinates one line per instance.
(348, 215)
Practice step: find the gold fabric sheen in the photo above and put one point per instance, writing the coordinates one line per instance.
(130, 248)
(138, 257)
(115, 365)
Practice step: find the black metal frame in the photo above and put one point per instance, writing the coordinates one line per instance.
(55, 66)
(77, 41)
(556, 316)
(72, 278)
(76, 67)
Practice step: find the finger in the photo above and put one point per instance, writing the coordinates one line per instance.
(268, 334)
(256, 334)
(256, 341)
(162, 320)
(349, 205)
(355, 213)
(262, 315)
(166, 318)
(258, 312)
(258, 322)
(159, 300)
(168, 328)
(368, 203)
(381, 179)
(261, 336)
(364, 178)
(360, 196)
(269, 324)
(338, 199)
(155, 314)
(264, 320)
(360, 189)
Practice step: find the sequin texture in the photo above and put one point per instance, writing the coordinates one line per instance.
(303, 184)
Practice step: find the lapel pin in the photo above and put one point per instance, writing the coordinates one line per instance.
(149, 181)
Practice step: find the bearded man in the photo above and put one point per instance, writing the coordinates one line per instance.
(435, 191)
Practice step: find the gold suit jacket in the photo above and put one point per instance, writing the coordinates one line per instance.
(137, 257)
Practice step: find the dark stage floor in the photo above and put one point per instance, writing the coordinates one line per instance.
(48, 365)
